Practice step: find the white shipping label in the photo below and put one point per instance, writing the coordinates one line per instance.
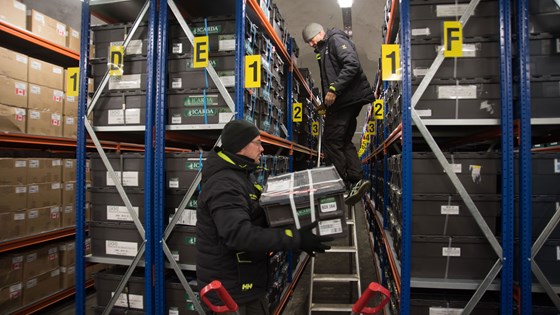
(556, 165)
(20, 163)
(61, 29)
(35, 65)
(447, 10)
(31, 283)
(457, 92)
(120, 213)
(58, 96)
(134, 47)
(21, 190)
(124, 82)
(130, 300)
(55, 273)
(452, 210)
(451, 251)
(175, 254)
(424, 112)
(228, 81)
(18, 5)
(19, 216)
(127, 178)
(34, 114)
(173, 311)
(21, 88)
(475, 173)
(33, 214)
(177, 83)
(328, 205)
(68, 186)
(278, 185)
(39, 17)
(445, 311)
(421, 31)
(121, 248)
(56, 162)
(69, 120)
(68, 209)
(21, 58)
(68, 163)
(33, 189)
(70, 99)
(329, 227)
(132, 116)
(57, 70)
(177, 48)
(457, 168)
(176, 120)
(35, 89)
(55, 186)
(174, 183)
(75, 34)
(116, 117)
(224, 118)
(226, 43)
(188, 217)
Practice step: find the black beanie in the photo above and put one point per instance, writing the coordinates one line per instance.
(237, 134)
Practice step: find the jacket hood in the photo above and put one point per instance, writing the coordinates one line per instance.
(218, 160)
(330, 33)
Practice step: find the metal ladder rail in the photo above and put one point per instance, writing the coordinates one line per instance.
(353, 276)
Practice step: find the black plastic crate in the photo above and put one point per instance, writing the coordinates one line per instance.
(190, 108)
(182, 168)
(543, 208)
(472, 48)
(548, 259)
(173, 199)
(129, 166)
(120, 109)
(428, 302)
(545, 173)
(133, 78)
(114, 239)
(184, 77)
(104, 35)
(479, 68)
(182, 244)
(107, 204)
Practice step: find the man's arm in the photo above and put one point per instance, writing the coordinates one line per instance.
(343, 50)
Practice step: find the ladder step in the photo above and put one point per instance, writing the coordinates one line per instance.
(320, 307)
(341, 249)
(336, 277)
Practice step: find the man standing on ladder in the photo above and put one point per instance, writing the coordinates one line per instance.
(345, 90)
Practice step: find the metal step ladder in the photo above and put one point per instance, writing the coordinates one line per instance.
(352, 277)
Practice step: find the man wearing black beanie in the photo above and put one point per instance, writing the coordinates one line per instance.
(233, 238)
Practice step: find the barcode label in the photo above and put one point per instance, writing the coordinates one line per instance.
(330, 227)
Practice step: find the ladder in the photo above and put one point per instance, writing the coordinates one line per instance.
(353, 277)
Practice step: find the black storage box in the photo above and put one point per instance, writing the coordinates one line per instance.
(129, 167)
(107, 204)
(181, 168)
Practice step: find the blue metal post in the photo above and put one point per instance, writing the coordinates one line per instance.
(148, 159)
(507, 158)
(80, 203)
(289, 100)
(159, 159)
(406, 158)
(239, 58)
(525, 190)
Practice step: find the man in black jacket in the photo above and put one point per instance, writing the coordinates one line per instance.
(233, 239)
(345, 90)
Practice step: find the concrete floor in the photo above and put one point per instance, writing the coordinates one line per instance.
(299, 301)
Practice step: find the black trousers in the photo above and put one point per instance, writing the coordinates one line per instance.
(337, 143)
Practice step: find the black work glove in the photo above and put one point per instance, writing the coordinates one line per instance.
(310, 242)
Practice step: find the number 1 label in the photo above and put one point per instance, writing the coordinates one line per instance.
(390, 62)
(253, 71)
(72, 81)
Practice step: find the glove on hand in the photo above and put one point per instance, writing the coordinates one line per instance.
(310, 242)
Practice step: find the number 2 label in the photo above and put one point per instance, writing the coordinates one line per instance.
(378, 109)
(297, 115)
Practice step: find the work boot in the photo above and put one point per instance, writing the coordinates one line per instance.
(357, 192)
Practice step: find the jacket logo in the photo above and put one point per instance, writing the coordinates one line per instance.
(253, 196)
(246, 286)
(343, 46)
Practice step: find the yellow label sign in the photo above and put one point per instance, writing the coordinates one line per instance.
(72, 81)
(297, 112)
(371, 127)
(452, 39)
(378, 109)
(390, 62)
(253, 71)
(315, 128)
(116, 60)
(200, 58)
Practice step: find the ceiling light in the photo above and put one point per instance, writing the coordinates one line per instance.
(345, 3)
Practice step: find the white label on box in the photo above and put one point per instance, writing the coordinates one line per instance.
(130, 300)
(175, 254)
(70, 98)
(21, 190)
(424, 112)
(31, 283)
(70, 120)
(69, 209)
(68, 163)
(57, 70)
(18, 5)
(55, 272)
(445, 311)
(177, 83)
(328, 205)
(33, 189)
(61, 29)
(228, 80)
(75, 34)
(20, 163)
(19, 216)
(55, 186)
(31, 257)
(120, 213)
(124, 82)
(134, 47)
(224, 118)
(174, 183)
(278, 185)
(176, 119)
(475, 173)
(33, 214)
(451, 251)
(452, 210)
(177, 48)
(419, 72)
(121, 248)
(116, 117)
(21, 88)
(58, 96)
(329, 227)
(35, 65)
(127, 179)
(457, 168)
(421, 31)
(21, 58)
(55, 119)
(39, 17)
(132, 115)
(457, 92)
(20, 114)
(556, 165)
(226, 43)
(57, 162)
(34, 163)
(188, 217)
(173, 311)
(69, 186)
(447, 10)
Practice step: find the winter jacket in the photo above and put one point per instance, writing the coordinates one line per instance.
(233, 240)
(341, 72)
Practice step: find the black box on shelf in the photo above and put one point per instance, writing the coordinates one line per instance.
(182, 244)
(120, 109)
(321, 185)
(445, 302)
(114, 239)
(544, 97)
(107, 204)
(190, 108)
(182, 168)
(129, 168)
(543, 208)
(548, 259)
(173, 199)
(545, 173)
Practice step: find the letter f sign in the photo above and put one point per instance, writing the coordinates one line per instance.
(453, 39)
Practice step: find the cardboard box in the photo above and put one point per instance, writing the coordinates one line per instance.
(13, 119)
(11, 269)
(14, 198)
(13, 92)
(44, 170)
(11, 297)
(13, 64)
(13, 12)
(45, 74)
(67, 253)
(67, 277)
(68, 192)
(46, 27)
(14, 171)
(43, 195)
(12, 225)
(44, 123)
(70, 106)
(67, 216)
(41, 286)
(70, 127)
(73, 40)
(44, 219)
(39, 260)
(69, 170)
(42, 97)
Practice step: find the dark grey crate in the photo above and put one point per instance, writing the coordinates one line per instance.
(548, 259)
(543, 208)
(472, 48)
(188, 108)
(548, 22)
(182, 244)
(182, 76)
(460, 101)
(182, 168)
(114, 239)
(477, 26)
(173, 199)
(545, 173)
(448, 215)
(543, 6)
(130, 166)
(485, 68)
(430, 302)
(134, 75)
(449, 9)
(107, 205)
(120, 109)
(104, 35)
(117, 311)
(451, 258)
